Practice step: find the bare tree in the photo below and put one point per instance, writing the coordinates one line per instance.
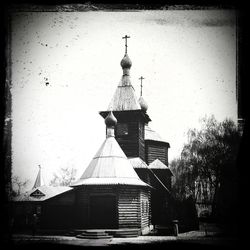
(65, 177)
(18, 185)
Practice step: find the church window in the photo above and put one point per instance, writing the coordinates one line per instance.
(122, 129)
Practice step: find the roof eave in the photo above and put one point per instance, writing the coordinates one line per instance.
(161, 142)
(116, 113)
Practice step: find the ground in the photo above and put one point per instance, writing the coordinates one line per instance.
(194, 239)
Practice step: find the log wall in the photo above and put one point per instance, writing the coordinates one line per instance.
(129, 207)
(156, 151)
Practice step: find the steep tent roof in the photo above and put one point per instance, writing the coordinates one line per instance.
(110, 166)
(124, 97)
(39, 179)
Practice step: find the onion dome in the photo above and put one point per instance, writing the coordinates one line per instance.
(110, 120)
(143, 104)
(126, 62)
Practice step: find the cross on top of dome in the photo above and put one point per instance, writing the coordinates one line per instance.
(126, 45)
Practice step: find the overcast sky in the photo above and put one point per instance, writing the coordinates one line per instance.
(188, 59)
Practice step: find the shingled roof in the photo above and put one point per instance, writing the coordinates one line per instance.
(110, 166)
(124, 97)
(151, 135)
(42, 193)
(137, 162)
(157, 164)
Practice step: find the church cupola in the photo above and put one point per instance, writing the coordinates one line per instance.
(142, 102)
(126, 62)
(110, 122)
(126, 65)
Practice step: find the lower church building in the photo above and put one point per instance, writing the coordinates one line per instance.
(109, 194)
(127, 184)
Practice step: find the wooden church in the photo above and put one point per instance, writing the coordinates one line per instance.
(109, 194)
(127, 184)
(145, 149)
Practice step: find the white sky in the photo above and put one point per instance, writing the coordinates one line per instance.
(188, 59)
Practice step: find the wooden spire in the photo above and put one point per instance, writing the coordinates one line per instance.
(39, 179)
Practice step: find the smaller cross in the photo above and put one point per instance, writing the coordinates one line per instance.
(141, 78)
(126, 45)
(39, 166)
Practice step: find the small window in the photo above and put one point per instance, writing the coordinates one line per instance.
(37, 194)
(122, 129)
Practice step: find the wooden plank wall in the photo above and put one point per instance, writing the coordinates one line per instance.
(67, 198)
(129, 207)
(129, 199)
(82, 202)
(56, 216)
(155, 151)
(81, 208)
(130, 142)
(57, 212)
(141, 141)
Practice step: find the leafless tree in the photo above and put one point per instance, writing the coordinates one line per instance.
(18, 185)
(65, 177)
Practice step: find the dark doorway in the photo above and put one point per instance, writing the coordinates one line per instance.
(103, 211)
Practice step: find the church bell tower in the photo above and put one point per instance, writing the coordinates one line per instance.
(131, 113)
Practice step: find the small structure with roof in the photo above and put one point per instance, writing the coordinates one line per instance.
(52, 205)
(109, 194)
